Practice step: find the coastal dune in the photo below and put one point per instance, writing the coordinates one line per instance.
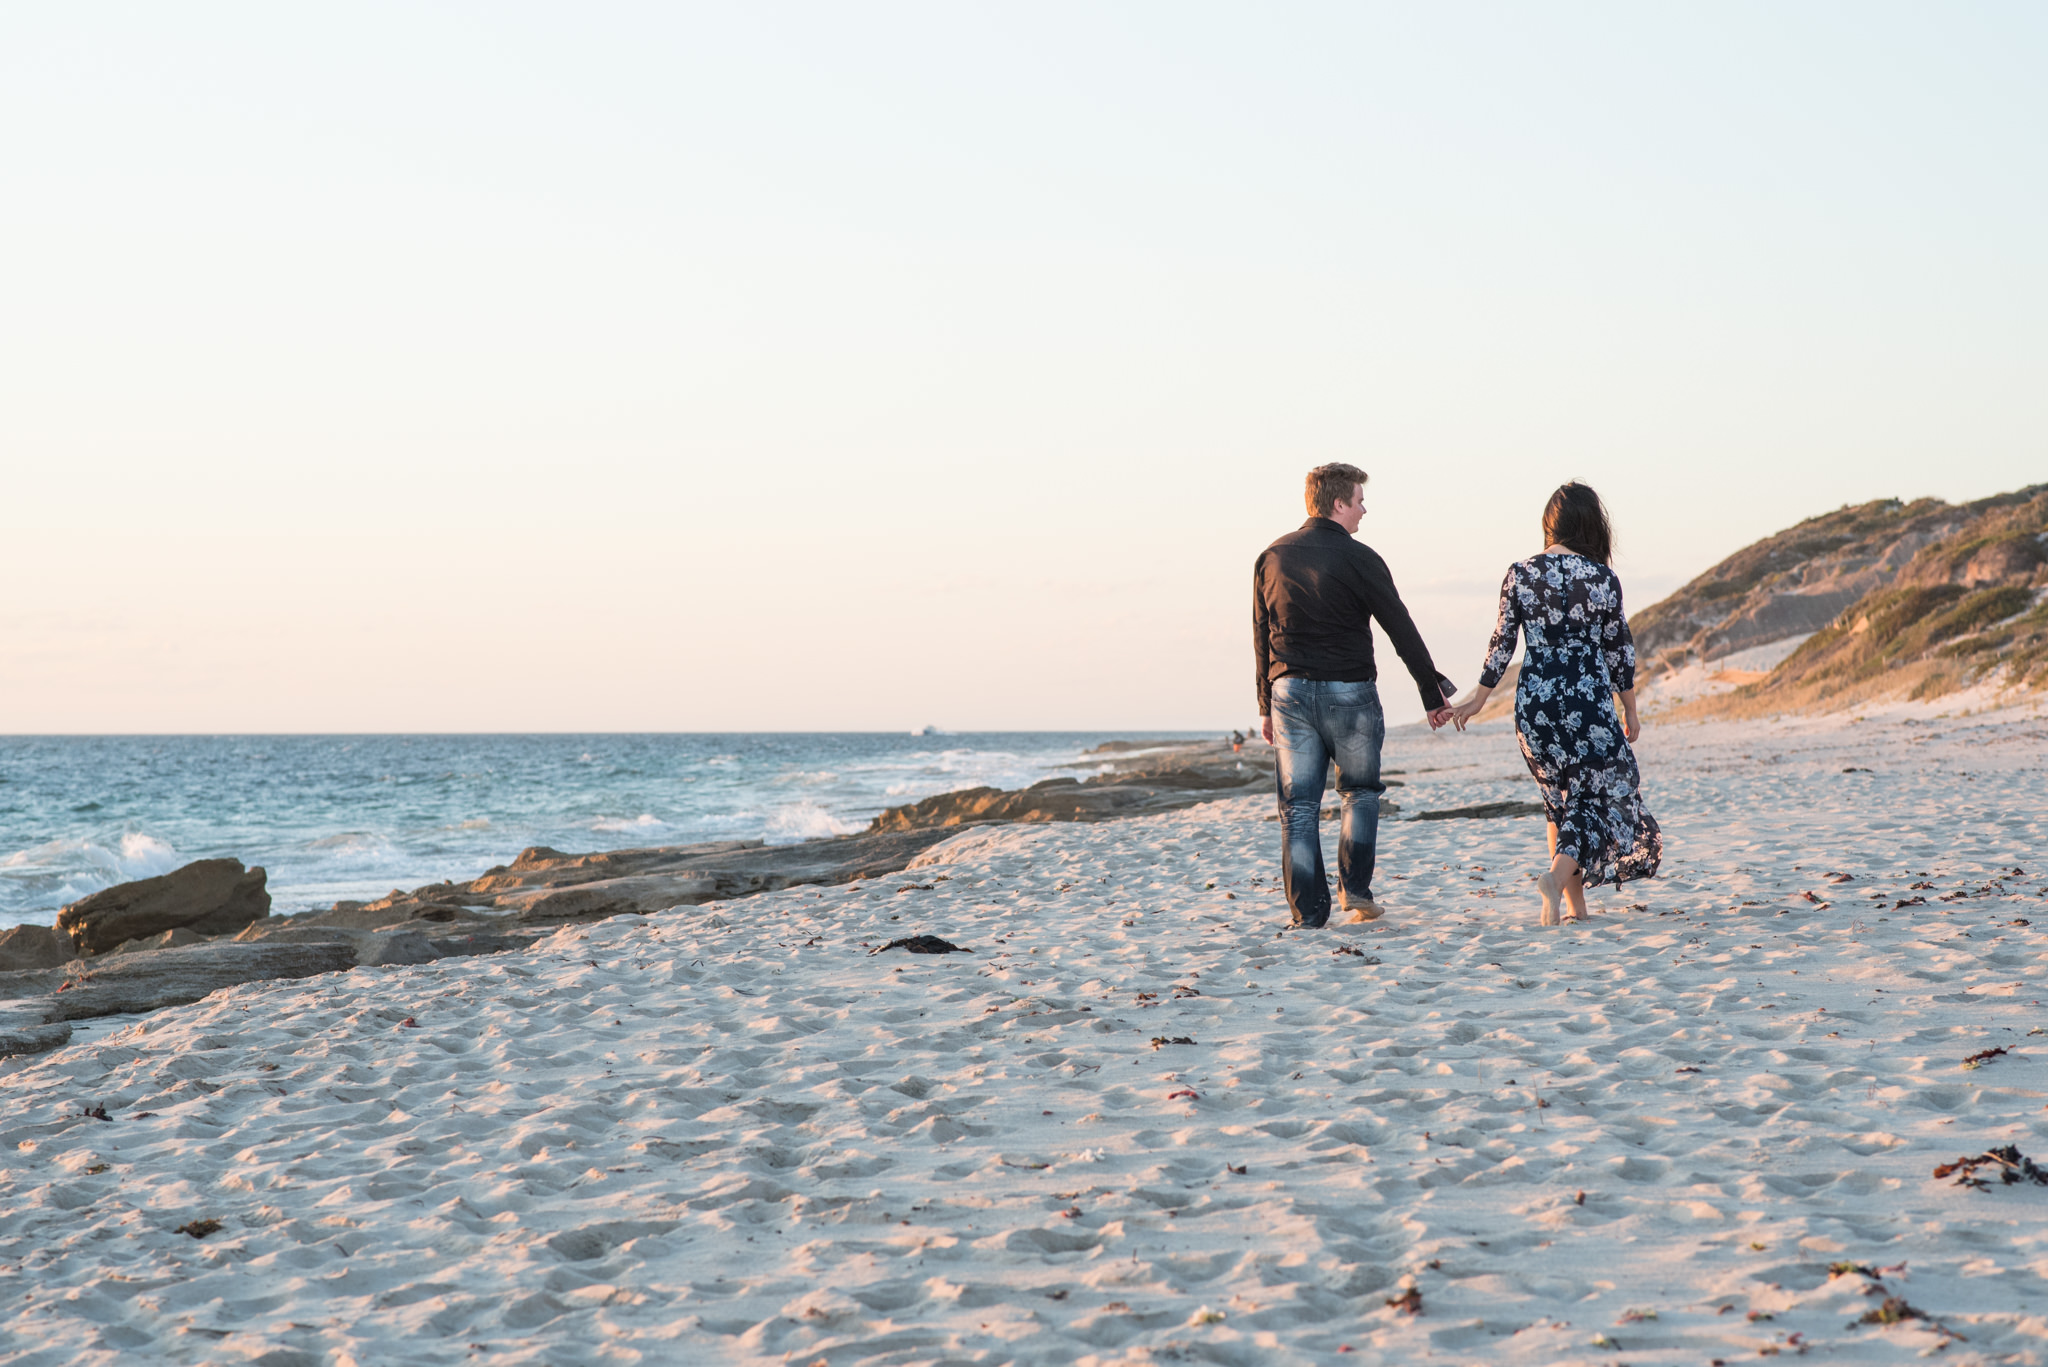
(1137, 1120)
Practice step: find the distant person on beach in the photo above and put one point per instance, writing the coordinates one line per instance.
(1315, 594)
(1566, 601)
(1237, 742)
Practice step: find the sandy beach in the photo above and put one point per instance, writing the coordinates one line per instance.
(1139, 1122)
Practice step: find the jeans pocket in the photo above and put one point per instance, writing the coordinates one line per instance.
(1350, 695)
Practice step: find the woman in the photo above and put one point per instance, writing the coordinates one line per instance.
(1567, 602)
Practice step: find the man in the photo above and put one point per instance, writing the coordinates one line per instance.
(1315, 593)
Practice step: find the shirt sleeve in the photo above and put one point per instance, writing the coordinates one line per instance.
(1383, 600)
(1500, 651)
(1618, 644)
(1262, 642)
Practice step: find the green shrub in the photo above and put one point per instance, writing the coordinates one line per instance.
(1896, 612)
(1980, 609)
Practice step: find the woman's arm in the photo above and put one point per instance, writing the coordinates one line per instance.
(1468, 709)
(1620, 651)
(1500, 650)
(1500, 653)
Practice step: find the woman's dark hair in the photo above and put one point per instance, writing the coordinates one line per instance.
(1577, 520)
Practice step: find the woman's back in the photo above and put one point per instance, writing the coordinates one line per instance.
(1568, 609)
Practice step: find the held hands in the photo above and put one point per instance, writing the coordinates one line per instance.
(1465, 711)
(1440, 716)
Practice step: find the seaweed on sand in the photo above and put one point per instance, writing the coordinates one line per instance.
(924, 944)
(2007, 1163)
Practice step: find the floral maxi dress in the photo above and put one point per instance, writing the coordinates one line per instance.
(1580, 653)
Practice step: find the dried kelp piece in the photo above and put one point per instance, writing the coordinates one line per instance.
(1896, 1311)
(1158, 1040)
(1409, 1302)
(199, 1229)
(1982, 1057)
(97, 1111)
(924, 944)
(2006, 1162)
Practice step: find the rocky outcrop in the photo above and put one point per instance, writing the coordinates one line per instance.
(33, 947)
(34, 1003)
(544, 888)
(1969, 605)
(170, 939)
(33, 1000)
(512, 905)
(508, 908)
(1161, 779)
(208, 897)
(1803, 578)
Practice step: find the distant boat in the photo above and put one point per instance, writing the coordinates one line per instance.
(927, 731)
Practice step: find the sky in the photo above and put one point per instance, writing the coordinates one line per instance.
(510, 367)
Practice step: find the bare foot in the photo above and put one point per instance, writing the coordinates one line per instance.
(1547, 885)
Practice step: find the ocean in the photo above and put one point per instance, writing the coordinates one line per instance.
(334, 817)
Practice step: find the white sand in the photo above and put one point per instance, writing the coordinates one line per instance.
(1709, 678)
(729, 1135)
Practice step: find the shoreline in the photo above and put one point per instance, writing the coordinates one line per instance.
(350, 817)
(512, 906)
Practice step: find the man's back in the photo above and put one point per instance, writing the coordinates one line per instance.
(1315, 591)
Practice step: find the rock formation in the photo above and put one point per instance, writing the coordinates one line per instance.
(36, 1006)
(1791, 583)
(1803, 578)
(1969, 605)
(543, 888)
(172, 977)
(1158, 779)
(208, 897)
(33, 947)
(154, 922)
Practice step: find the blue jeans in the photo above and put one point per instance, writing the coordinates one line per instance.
(1316, 721)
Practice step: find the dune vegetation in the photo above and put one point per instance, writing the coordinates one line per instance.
(1969, 606)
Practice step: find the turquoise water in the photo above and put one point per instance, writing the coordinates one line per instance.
(355, 816)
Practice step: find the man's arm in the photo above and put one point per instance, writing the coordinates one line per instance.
(1383, 600)
(1262, 645)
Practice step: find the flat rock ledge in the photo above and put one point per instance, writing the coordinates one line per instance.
(1128, 782)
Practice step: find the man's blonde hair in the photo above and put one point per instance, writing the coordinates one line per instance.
(1329, 485)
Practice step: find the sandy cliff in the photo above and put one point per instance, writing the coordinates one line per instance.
(1968, 607)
